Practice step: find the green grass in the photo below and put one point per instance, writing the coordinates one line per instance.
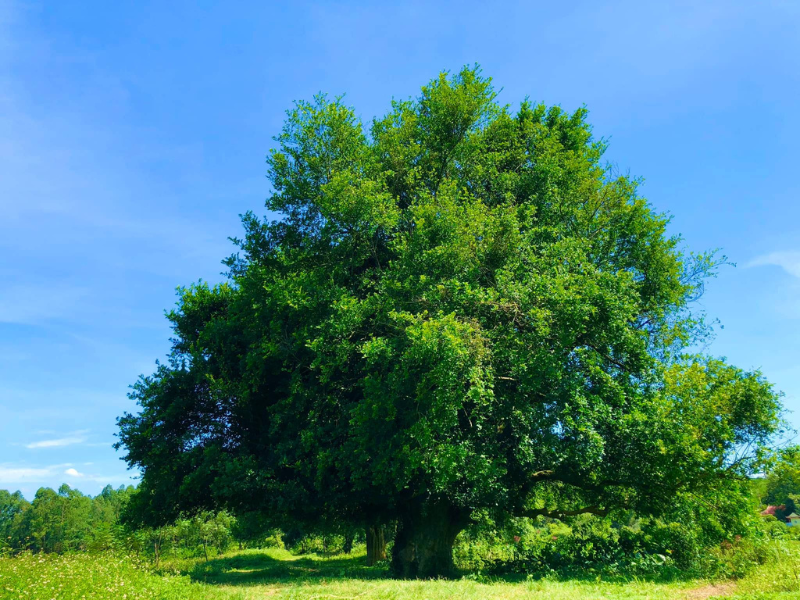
(277, 574)
(773, 581)
(90, 577)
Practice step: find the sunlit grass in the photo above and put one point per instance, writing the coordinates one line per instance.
(94, 576)
(277, 574)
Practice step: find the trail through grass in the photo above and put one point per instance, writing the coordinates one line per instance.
(277, 574)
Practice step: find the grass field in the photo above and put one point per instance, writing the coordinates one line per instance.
(277, 574)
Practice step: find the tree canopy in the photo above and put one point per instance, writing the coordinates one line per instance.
(457, 308)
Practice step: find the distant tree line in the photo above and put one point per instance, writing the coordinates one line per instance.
(69, 521)
(61, 521)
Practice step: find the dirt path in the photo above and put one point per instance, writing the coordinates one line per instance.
(711, 590)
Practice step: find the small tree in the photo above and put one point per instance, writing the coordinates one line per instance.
(459, 309)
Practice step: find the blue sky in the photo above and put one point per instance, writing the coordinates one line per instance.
(132, 134)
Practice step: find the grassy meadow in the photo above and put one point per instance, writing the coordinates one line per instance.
(278, 574)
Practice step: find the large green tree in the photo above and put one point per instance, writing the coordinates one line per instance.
(457, 308)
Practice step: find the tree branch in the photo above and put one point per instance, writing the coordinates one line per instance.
(538, 475)
(609, 358)
(560, 514)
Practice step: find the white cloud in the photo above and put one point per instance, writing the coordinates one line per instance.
(17, 474)
(788, 261)
(10, 473)
(57, 443)
(20, 475)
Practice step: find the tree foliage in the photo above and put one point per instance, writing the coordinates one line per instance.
(458, 308)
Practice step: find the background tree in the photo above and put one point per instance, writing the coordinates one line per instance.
(58, 521)
(782, 482)
(461, 309)
(12, 509)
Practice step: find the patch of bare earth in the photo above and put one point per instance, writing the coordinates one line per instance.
(715, 590)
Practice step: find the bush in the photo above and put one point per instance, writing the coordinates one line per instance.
(298, 541)
(593, 545)
(676, 540)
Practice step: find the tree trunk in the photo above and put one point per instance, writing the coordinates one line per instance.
(376, 544)
(157, 548)
(423, 547)
(348, 542)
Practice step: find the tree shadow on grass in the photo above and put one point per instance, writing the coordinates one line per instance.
(260, 567)
(263, 567)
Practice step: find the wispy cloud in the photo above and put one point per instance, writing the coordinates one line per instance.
(24, 474)
(76, 438)
(788, 261)
(52, 475)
